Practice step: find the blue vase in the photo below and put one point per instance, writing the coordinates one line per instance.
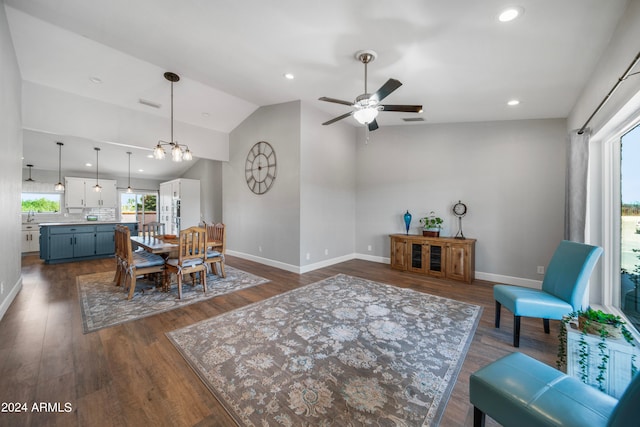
(407, 220)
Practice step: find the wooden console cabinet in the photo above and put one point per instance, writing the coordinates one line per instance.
(443, 257)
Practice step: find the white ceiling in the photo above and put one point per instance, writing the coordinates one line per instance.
(454, 57)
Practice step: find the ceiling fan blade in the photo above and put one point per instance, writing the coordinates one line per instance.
(337, 101)
(403, 108)
(386, 89)
(373, 125)
(344, 116)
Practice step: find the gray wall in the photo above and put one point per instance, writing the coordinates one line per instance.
(510, 175)
(10, 165)
(265, 227)
(327, 190)
(209, 172)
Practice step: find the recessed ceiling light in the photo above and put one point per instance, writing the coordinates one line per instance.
(289, 76)
(95, 79)
(142, 170)
(205, 114)
(513, 102)
(510, 13)
(150, 156)
(88, 165)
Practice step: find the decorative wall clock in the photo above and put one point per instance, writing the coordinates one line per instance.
(459, 210)
(260, 167)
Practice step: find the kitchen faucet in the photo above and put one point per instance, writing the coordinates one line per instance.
(30, 216)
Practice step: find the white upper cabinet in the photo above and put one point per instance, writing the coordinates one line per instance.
(79, 193)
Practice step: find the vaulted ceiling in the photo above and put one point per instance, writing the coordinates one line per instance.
(454, 57)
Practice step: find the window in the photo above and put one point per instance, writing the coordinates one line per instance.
(630, 225)
(41, 202)
(138, 207)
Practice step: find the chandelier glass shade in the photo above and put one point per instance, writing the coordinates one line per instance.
(59, 186)
(178, 152)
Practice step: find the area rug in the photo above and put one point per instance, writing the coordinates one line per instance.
(103, 304)
(343, 351)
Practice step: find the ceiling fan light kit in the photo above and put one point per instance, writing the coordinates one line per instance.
(178, 152)
(367, 106)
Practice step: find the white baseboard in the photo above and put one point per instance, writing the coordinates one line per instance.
(489, 277)
(10, 297)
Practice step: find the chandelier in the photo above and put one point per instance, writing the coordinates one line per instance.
(178, 152)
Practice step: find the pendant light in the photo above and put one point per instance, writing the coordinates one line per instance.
(178, 152)
(29, 179)
(97, 187)
(129, 189)
(59, 186)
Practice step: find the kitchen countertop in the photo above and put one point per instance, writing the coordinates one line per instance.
(48, 224)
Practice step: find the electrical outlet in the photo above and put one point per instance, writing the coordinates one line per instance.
(259, 248)
(369, 248)
(1, 288)
(540, 269)
(308, 256)
(326, 251)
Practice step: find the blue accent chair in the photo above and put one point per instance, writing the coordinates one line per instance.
(563, 288)
(518, 390)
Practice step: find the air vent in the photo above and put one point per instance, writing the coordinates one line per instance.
(149, 103)
(413, 119)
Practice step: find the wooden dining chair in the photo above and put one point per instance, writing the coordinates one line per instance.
(153, 229)
(216, 245)
(119, 255)
(192, 257)
(137, 263)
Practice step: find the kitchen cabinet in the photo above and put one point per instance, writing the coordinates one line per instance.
(30, 238)
(61, 242)
(442, 257)
(180, 204)
(71, 242)
(106, 198)
(79, 193)
(105, 239)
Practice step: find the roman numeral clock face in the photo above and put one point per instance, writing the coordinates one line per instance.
(260, 167)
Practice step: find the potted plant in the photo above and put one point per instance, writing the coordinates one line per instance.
(598, 323)
(431, 225)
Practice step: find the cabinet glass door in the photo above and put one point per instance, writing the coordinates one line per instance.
(416, 256)
(435, 258)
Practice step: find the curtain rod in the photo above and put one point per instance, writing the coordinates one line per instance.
(613, 89)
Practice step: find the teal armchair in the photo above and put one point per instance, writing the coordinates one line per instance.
(563, 288)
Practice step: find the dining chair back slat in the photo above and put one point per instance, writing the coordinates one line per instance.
(153, 229)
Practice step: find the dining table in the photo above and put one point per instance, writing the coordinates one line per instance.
(156, 244)
(165, 245)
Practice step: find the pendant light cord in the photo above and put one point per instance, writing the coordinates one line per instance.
(172, 141)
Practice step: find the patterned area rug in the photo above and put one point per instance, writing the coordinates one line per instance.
(103, 304)
(342, 351)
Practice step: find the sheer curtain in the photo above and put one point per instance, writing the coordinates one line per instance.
(576, 186)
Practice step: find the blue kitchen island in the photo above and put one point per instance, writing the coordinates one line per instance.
(77, 241)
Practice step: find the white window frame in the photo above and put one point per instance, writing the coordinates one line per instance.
(606, 144)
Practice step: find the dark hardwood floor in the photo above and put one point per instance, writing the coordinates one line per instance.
(131, 375)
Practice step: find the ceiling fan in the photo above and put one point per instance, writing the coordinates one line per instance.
(368, 105)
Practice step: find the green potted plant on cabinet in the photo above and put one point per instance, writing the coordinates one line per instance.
(597, 323)
(431, 225)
